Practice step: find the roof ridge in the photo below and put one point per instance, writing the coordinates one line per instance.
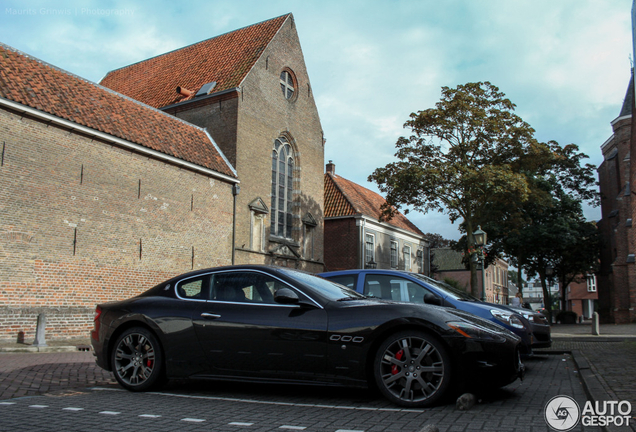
(193, 44)
(109, 90)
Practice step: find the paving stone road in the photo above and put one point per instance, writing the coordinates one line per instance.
(194, 406)
(67, 391)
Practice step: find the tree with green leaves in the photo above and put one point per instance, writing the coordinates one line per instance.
(462, 158)
(549, 229)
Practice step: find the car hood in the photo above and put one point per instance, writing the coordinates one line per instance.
(432, 313)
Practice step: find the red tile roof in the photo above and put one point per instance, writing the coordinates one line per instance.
(224, 59)
(346, 198)
(33, 83)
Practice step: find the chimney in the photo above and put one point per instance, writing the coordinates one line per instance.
(331, 168)
(184, 91)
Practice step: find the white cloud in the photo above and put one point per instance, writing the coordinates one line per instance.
(564, 63)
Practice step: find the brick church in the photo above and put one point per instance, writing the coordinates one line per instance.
(208, 155)
(617, 177)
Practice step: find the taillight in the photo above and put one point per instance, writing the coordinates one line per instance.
(96, 323)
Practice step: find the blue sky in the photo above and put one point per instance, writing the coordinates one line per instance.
(564, 63)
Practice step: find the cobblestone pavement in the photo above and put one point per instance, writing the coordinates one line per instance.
(23, 374)
(198, 406)
(67, 391)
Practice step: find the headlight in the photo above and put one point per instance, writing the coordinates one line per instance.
(507, 318)
(472, 331)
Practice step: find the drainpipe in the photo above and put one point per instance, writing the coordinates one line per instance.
(236, 189)
(361, 240)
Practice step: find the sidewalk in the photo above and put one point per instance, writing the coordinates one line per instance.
(606, 363)
(67, 345)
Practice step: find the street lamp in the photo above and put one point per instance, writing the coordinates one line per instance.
(371, 264)
(481, 237)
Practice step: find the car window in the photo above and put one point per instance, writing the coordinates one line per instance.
(453, 292)
(194, 288)
(327, 288)
(347, 280)
(249, 287)
(395, 288)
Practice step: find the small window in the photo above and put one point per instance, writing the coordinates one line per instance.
(394, 254)
(288, 84)
(369, 248)
(591, 283)
(407, 258)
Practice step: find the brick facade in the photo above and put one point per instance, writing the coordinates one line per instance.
(84, 222)
(342, 244)
(582, 298)
(617, 276)
(245, 121)
(355, 237)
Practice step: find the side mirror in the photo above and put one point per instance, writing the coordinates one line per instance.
(286, 296)
(432, 300)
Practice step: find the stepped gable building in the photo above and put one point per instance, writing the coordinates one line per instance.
(356, 238)
(102, 197)
(616, 279)
(251, 92)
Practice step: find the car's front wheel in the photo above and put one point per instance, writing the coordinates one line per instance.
(412, 369)
(136, 359)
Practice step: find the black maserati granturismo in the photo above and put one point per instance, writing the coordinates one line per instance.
(274, 324)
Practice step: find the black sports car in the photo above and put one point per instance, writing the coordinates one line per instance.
(272, 324)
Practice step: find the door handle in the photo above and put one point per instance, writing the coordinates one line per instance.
(210, 315)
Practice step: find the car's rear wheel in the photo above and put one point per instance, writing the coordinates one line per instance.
(137, 359)
(412, 369)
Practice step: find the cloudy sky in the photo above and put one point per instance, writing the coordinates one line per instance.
(564, 63)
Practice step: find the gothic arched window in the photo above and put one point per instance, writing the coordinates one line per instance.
(282, 188)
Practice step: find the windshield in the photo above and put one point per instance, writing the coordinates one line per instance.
(328, 289)
(451, 291)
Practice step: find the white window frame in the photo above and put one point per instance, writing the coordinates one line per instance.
(395, 260)
(286, 86)
(369, 252)
(407, 257)
(591, 283)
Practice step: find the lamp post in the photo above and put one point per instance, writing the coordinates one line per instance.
(480, 240)
(549, 271)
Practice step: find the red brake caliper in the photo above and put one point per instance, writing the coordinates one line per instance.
(398, 356)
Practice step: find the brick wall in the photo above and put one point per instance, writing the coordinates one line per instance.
(617, 276)
(82, 222)
(341, 244)
(251, 120)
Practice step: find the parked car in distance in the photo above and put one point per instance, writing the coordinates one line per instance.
(539, 326)
(411, 287)
(278, 325)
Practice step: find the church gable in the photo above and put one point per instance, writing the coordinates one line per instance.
(212, 66)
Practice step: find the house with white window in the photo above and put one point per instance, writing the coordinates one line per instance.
(581, 297)
(356, 237)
